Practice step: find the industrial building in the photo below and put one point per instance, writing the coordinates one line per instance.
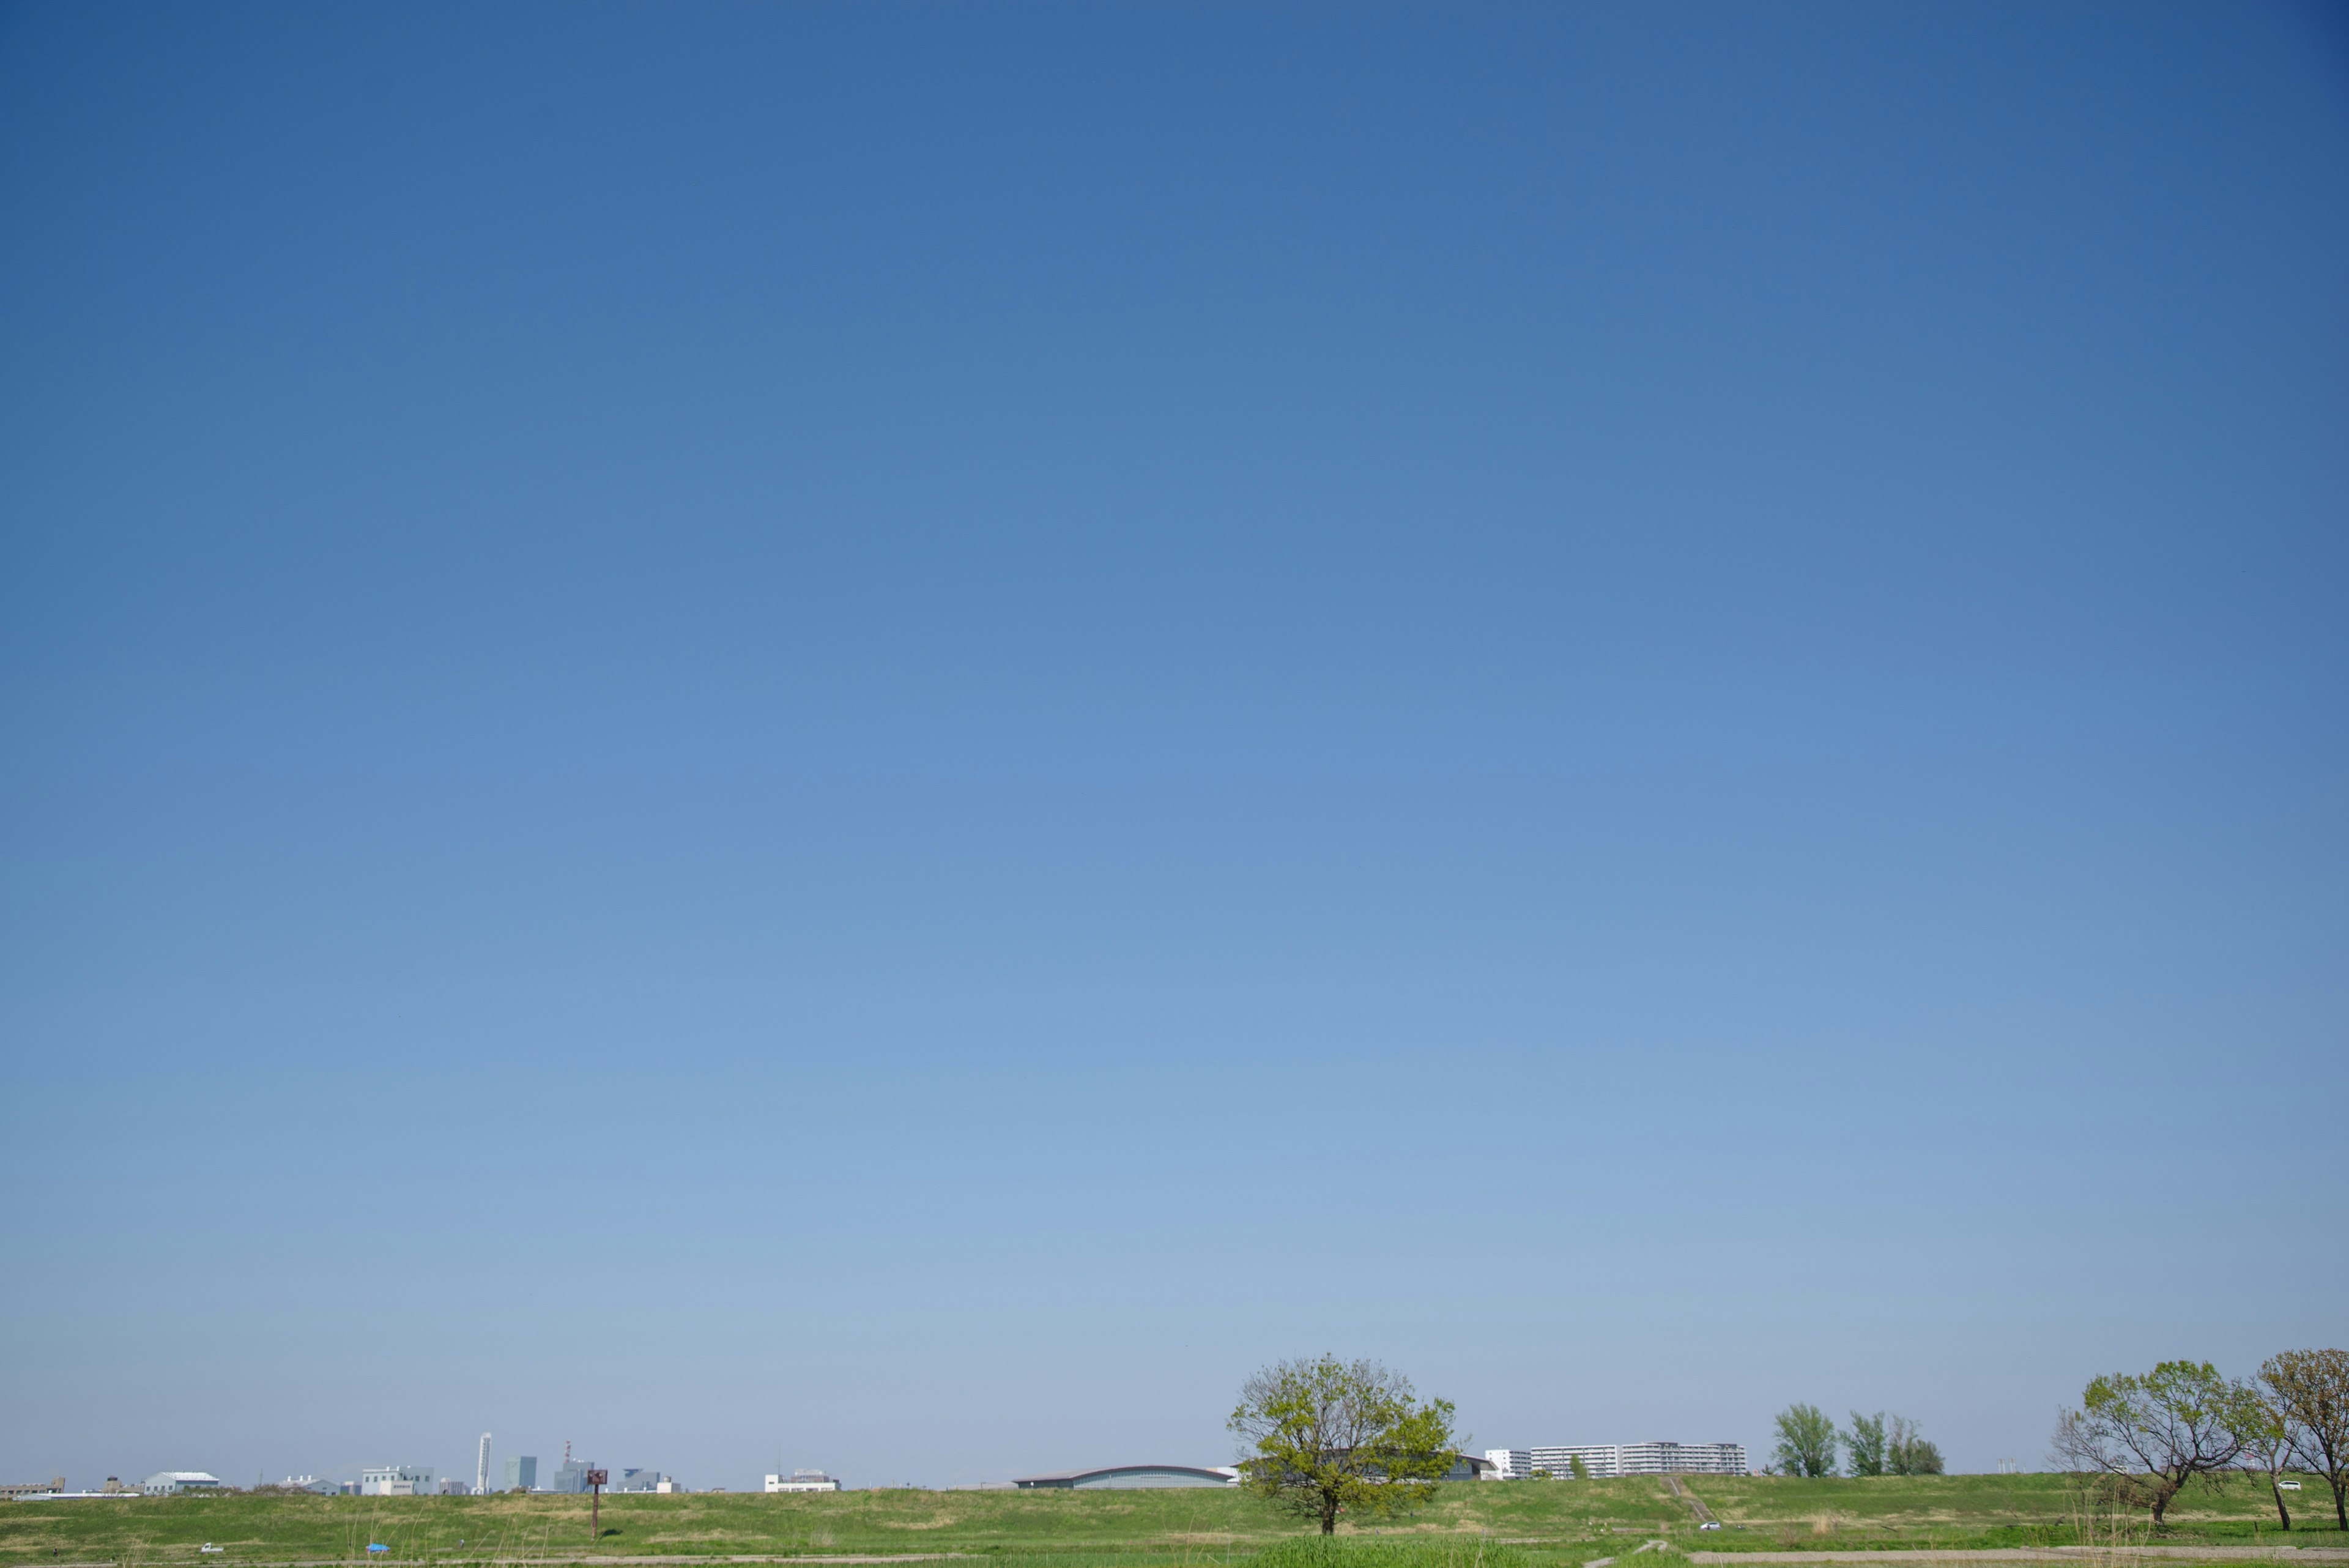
(1605, 1460)
(1131, 1476)
(396, 1480)
(163, 1483)
(802, 1480)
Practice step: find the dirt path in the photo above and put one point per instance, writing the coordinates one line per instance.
(1695, 1503)
(2040, 1554)
(526, 1559)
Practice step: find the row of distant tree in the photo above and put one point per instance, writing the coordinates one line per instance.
(2148, 1435)
(1877, 1445)
(1326, 1438)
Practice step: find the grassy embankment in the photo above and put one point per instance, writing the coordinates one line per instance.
(1548, 1524)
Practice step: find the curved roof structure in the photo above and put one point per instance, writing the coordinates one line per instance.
(1131, 1476)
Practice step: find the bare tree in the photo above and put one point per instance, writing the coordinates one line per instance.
(1327, 1436)
(2153, 1432)
(2310, 1389)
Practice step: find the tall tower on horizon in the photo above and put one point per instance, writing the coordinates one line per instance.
(482, 1470)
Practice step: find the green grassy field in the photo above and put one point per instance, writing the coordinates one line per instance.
(1545, 1525)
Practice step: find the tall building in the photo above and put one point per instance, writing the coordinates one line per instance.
(570, 1475)
(1605, 1460)
(482, 1468)
(521, 1471)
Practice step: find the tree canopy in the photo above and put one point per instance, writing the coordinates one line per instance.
(1806, 1442)
(2309, 1395)
(1863, 1445)
(2153, 1432)
(1907, 1451)
(1326, 1438)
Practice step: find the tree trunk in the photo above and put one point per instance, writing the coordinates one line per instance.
(1328, 1515)
(2340, 1507)
(2282, 1511)
(2164, 1489)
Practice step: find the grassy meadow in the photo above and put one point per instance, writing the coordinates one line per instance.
(1523, 1524)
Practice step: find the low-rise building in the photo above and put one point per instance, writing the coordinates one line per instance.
(396, 1480)
(163, 1483)
(1602, 1461)
(1130, 1477)
(49, 1487)
(802, 1480)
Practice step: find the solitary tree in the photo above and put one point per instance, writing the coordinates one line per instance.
(1907, 1452)
(2153, 1432)
(1806, 1441)
(1327, 1437)
(1863, 1446)
(2311, 1387)
(1581, 1472)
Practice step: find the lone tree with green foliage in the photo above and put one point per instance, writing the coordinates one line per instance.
(2309, 1390)
(1327, 1437)
(2151, 1433)
(1806, 1442)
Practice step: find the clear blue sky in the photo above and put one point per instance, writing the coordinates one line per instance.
(885, 736)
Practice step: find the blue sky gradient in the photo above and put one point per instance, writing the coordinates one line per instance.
(885, 736)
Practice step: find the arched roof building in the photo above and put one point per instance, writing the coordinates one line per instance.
(1130, 1476)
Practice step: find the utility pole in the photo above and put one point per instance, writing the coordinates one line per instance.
(596, 1479)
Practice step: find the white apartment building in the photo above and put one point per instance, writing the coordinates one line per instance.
(396, 1480)
(802, 1480)
(1606, 1460)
